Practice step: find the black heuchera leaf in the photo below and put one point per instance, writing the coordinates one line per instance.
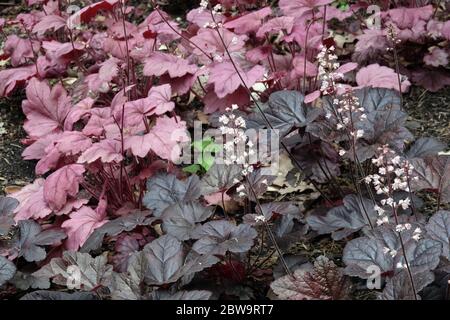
(218, 237)
(433, 173)
(372, 99)
(93, 272)
(58, 295)
(384, 124)
(399, 287)
(32, 238)
(115, 227)
(127, 286)
(258, 182)
(382, 127)
(180, 219)
(220, 177)
(124, 247)
(165, 258)
(438, 228)
(7, 270)
(284, 111)
(425, 147)
(7, 206)
(25, 281)
(166, 189)
(318, 159)
(361, 253)
(346, 219)
(324, 281)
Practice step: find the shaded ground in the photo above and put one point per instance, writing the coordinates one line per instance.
(429, 113)
(14, 172)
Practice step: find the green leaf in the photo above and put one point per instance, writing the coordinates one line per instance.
(193, 168)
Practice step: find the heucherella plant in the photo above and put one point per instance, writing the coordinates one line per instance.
(208, 155)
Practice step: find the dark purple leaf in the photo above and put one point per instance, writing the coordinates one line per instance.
(165, 190)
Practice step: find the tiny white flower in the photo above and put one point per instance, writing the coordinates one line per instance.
(405, 203)
(359, 133)
(224, 119)
(260, 218)
(342, 152)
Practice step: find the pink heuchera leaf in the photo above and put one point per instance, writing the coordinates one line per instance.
(209, 41)
(181, 85)
(296, 8)
(160, 97)
(62, 183)
(163, 139)
(45, 108)
(300, 35)
(347, 67)
(336, 13)
(258, 54)
(33, 206)
(213, 103)
(87, 13)
(159, 63)
(371, 41)
(31, 202)
(276, 25)
(249, 22)
(155, 24)
(157, 102)
(226, 80)
(303, 67)
(378, 76)
(19, 49)
(82, 223)
(37, 150)
(100, 81)
(10, 78)
(407, 18)
(77, 112)
(106, 150)
(437, 57)
(446, 30)
(51, 21)
(100, 117)
(72, 143)
(201, 17)
(312, 96)
(49, 161)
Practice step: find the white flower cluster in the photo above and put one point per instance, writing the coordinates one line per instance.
(328, 66)
(392, 252)
(203, 5)
(393, 174)
(233, 128)
(260, 218)
(212, 25)
(403, 227)
(217, 8)
(347, 113)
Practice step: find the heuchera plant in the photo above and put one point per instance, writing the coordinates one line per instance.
(112, 91)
